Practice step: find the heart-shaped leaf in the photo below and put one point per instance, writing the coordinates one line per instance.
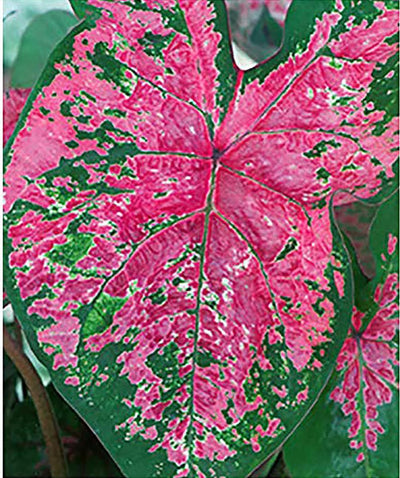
(354, 427)
(169, 245)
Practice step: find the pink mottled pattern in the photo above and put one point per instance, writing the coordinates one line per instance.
(13, 102)
(206, 225)
(301, 100)
(367, 364)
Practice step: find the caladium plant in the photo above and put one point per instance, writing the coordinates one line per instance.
(171, 248)
(363, 394)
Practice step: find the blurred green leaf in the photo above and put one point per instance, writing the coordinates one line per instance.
(354, 219)
(8, 15)
(10, 377)
(23, 445)
(17, 14)
(24, 450)
(38, 41)
(253, 29)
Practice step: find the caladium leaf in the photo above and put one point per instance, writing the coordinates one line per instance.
(13, 103)
(170, 250)
(353, 429)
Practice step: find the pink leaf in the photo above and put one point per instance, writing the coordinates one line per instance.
(368, 360)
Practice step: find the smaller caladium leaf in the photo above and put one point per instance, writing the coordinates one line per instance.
(13, 102)
(353, 429)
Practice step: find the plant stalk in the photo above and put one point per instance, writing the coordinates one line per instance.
(47, 420)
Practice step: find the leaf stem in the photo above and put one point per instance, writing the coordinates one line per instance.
(18, 333)
(20, 343)
(47, 420)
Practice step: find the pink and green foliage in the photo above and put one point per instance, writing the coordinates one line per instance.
(13, 102)
(361, 400)
(170, 248)
(366, 362)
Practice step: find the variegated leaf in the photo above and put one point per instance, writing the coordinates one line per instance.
(170, 249)
(354, 427)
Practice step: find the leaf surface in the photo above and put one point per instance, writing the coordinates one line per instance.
(171, 252)
(353, 429)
